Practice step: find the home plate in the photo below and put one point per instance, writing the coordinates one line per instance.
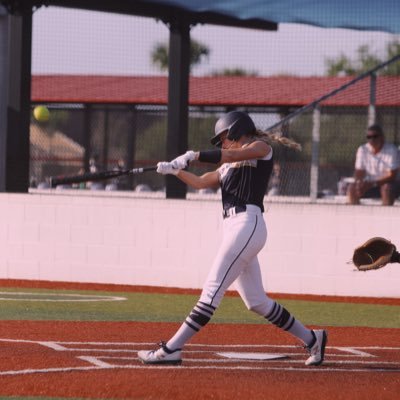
(253, 356)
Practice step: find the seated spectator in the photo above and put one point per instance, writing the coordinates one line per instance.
(274, 188)
(376, 168)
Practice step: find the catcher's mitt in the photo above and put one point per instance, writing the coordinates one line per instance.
(375, 253)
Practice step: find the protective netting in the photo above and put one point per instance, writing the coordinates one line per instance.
(91, 133)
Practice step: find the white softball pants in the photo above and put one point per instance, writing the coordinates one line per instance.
(244, 235)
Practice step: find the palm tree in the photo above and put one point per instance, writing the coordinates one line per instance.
(160, 54)
(233, 72)
(365, 61)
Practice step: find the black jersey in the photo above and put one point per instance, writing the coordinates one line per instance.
(245, 182)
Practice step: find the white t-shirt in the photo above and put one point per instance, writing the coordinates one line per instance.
(377, 165)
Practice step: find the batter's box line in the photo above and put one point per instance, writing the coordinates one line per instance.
(266, 345)
(265, 367)
(57, 347)
(288, 354)
(356, 351)
(49, 370)
(59, 344)
(99, 361)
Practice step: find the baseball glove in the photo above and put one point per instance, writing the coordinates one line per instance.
(375, 253)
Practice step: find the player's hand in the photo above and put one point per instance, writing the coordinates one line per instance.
(182, 161)
(165, 168)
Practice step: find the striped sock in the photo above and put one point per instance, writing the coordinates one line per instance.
(281, 318)
(199, 317)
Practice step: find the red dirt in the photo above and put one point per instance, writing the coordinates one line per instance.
(374, 374)
(330, 381)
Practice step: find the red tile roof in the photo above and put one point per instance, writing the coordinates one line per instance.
(222, 91)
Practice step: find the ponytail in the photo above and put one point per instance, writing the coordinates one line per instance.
(271, 138)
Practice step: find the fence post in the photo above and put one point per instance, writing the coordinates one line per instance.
(87, 135)
(372, 100)
(4, 24)
(315, 154)
(178, 100)
(16, 46)
(106, 137)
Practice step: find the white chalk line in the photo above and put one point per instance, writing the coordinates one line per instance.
(141, 344)
(68, 297)
(208, 367)
(48, 370)
(349, 352)
(99, 362)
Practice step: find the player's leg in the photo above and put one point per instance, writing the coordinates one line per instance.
(250, 287)
(244, 236)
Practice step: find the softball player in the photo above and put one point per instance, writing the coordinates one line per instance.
(246, 162)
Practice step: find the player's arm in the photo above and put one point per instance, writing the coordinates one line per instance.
(254, 150)
(207, 180)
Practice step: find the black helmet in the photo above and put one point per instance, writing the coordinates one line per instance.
(237, 123)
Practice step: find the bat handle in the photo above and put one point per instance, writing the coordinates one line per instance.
(142, 169)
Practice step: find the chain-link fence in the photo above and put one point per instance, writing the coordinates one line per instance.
(89, 137)
(107, 132)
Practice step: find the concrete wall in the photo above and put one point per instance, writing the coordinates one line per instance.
(122, 238)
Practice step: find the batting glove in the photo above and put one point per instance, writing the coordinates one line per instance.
(182, 161)
(166, 168)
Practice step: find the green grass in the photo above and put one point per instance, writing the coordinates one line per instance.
(175, 307)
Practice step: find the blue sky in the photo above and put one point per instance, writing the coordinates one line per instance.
(82, 42)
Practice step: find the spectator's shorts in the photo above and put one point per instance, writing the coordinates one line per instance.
(375, 192)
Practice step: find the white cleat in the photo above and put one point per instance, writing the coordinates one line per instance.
(162, 355)
(317, 350)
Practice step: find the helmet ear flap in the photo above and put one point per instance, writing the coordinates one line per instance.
(216, 140)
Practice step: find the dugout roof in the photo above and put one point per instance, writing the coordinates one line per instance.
(275, 91)
(377, 15)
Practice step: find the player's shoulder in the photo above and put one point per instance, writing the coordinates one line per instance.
(263, 147)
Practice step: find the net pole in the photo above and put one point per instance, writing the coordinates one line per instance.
(314, 173)
(372, 101)
(314, 103)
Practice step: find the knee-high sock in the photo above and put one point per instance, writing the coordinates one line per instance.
(279, 316)
(199, 317)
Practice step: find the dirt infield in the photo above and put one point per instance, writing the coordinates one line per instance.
(98, 360)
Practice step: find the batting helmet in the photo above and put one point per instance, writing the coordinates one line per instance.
(237, 123)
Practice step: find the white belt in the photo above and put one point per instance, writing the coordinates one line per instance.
(230, 212)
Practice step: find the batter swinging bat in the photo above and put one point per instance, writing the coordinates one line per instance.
(97, 176)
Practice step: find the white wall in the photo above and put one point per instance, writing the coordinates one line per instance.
(120, 238)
